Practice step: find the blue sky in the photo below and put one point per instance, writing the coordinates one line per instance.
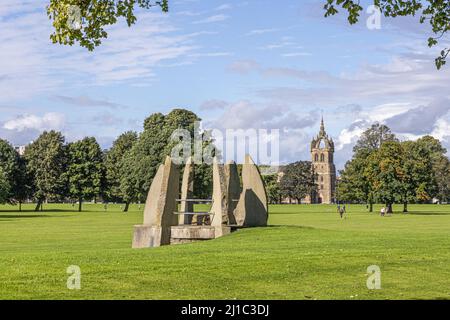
(237, 64)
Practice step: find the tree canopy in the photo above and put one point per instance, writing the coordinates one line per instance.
(114, 165)
(435, 12)
(386, 170)
(84, 21)
(46, 165)
(85, 169)
(298, 180)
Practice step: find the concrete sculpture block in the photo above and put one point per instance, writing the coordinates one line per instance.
(187, 192)
(159, 209)
(251, 210)
(219, 207)
(233, 189)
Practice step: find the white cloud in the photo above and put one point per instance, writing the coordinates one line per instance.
(212, 19)
(223, 7)
(30, 62)
(296, 54)
(48, 121)
(260, 31)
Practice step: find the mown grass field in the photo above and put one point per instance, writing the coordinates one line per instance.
(308, 252)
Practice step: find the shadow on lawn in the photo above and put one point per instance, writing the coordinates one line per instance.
(429, 213)
(289, 226)
(27, 216)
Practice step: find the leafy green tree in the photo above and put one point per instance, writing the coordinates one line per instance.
(153, 145)
(24, 183)
(372, 139)
(435, 12)
(85, 170)
(14, 171)
(384, 171)
(5, 187)
(440, 164)
(272, 187)
(354, 185)
(418, 182)
(298, 180)
(85, 21)
(114, 166)
(46, 165)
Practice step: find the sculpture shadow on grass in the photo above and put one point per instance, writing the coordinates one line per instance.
(26, 216)
(430, 213)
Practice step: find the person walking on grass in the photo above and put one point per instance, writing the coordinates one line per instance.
(341, 211)
(383, 211)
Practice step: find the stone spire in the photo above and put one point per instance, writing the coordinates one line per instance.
(322, 128)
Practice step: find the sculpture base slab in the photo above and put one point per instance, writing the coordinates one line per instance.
(147, 236)
(188, 234)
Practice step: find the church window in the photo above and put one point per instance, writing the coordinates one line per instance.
(316, 157)
(322, 158)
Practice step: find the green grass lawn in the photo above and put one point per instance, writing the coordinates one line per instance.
(308, 252)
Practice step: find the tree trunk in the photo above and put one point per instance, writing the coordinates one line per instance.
(38, 206)
(20, 206)
(370, 207)
(127, 205)
(389, 208)
(80, 203)
(405, 207)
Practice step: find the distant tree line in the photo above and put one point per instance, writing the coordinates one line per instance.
(295, 181)
(52, 170)
(386, 170)
(382, 170)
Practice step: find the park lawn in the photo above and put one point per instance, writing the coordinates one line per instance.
(307, 252)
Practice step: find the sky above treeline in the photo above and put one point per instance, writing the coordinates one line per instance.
(237, 64)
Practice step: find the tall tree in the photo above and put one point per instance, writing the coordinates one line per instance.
(13, 170)
(85, 170)
(85, 21)
(5, 187)
(298, 180)
(46, 165)
(153, 145)
(418, 181)
(273, 188)
(372, 139)
(354, 185)
(435, 12)
(440, 164)
(384, 171)
(114, 166)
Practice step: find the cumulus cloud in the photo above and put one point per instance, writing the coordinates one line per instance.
(419, 120)
(246, 115)
(48, 121)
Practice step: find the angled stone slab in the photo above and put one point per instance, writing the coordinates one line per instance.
(251, 210)
(219, 207)
(187, 192)
(233, 189)
(159, 209)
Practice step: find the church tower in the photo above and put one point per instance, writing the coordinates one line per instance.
(322, 151)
